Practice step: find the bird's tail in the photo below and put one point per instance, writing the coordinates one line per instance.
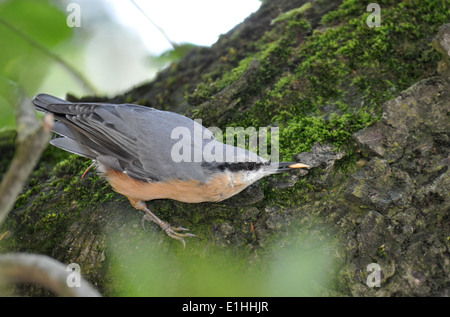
(72, 140)
(42, 101)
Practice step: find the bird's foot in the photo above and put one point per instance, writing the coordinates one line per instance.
(173, 232)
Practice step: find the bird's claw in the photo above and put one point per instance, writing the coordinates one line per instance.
(173, 232)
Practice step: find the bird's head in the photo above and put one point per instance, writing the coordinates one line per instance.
(248, 167)
(250, 172)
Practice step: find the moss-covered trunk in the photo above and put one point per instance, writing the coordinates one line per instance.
(365, 105)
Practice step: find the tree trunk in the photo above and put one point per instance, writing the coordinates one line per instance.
(364, 105)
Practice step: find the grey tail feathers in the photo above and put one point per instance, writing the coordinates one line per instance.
(42, 101)
(68, 141)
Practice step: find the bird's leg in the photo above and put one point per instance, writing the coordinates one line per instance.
(172, 232)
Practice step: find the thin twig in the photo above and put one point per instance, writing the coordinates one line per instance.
(42, 270)
(174, 45)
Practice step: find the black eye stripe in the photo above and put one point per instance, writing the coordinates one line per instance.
(240, 166)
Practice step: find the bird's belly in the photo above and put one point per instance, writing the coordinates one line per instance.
(191, 191)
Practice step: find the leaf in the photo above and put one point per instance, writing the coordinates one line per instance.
(173, 55)
(28, 29)
(9, 96)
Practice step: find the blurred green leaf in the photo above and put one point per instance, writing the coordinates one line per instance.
(39, 19)
(7, 120)
(28, 28)
(173, 55)
(8, 99)
(141, 267)
(178, 52)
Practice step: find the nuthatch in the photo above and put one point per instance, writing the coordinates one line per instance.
(132, 146)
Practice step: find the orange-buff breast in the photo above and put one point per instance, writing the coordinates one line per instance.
(218, 188)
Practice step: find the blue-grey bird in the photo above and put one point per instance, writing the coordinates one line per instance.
(133, 147)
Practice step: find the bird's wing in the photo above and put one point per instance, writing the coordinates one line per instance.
(130, 138)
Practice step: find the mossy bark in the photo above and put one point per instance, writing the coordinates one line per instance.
(317, 71)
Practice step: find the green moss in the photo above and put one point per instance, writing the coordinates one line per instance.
(54, 199)
(381, 251)
(326, 85)
(208, 87)
(273, 57)
(293, 14)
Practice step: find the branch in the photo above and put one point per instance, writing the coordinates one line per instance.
(43, 270)
(32, 139)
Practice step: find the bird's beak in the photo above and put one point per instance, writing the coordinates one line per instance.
(289, 166)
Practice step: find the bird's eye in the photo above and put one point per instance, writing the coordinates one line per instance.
(251, 166)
